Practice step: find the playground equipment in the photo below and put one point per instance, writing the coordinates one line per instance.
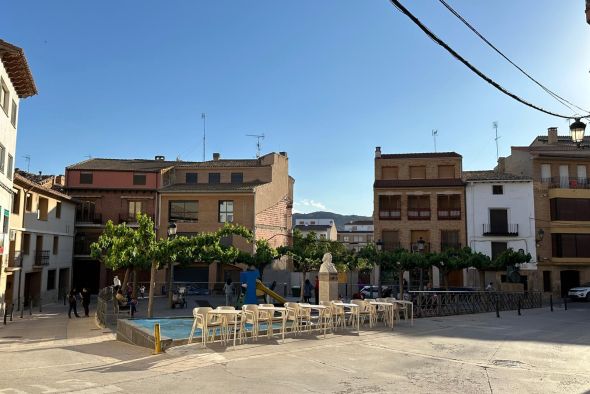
(261, 287)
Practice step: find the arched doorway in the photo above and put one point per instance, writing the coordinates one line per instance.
(569, 279)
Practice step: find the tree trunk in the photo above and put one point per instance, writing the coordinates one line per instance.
(169, 285)
(482, 279)
(401, 285)
(304, 274)
(125, 279)
(134, 291)
(379, 284)
(150, 310)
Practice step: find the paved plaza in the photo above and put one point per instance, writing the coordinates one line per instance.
(538, 352)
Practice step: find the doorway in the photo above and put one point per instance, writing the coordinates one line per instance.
(569, 279)
(63, 282)
(32, 287)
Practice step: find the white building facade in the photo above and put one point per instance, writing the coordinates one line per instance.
(323, 228)
(16, 83)
(500, 215)
(356, 234)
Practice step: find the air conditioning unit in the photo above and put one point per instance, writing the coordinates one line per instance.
(13, 235)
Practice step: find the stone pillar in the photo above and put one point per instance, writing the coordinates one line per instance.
(328, 277)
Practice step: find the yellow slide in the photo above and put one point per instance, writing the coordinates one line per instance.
(260, 287)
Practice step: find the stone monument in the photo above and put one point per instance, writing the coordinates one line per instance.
(328, 278)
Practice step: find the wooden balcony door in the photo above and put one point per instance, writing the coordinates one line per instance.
(499, 221)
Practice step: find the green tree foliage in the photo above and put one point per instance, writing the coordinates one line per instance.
(508, 258)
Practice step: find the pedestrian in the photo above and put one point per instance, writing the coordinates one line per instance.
(116, 283)
(122, 302)
(307, 289)
(129, 292)
(85, 301)
(317, 291)
(490, 287)
(72, 301)
(142, 291)
(228, 289)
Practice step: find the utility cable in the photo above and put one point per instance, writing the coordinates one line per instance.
(477, 33)
(440, 42)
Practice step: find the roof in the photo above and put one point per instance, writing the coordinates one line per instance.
(402, 183)
(313, 227)
(360, 222)
(27, 183)
(148, 165)
(211, 188)
(419, 155)
(16, 66)
(491, 175)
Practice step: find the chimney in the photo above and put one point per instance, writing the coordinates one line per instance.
(377, 152)
(552, 135)
(59, 180)
(283, 154)
(501, 167)
(159, 158)
(216, 156)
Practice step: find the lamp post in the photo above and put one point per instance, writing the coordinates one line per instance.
(171, 235)
(577, 132)
(379, 246)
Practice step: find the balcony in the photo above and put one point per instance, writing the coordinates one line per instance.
(449, 214)
(15, 260)
(557, 182)
(449, 246)
(504, 230)
(41, 258)
(130, 220)
(391, 246)
(420, 247)
(418, 213)
(87, 218)
(395, 214)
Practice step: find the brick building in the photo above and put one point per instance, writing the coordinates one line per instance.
(419, 204)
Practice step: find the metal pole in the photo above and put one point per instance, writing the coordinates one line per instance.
(158, 342)
(551, 301)
(31, 307)
(519, 307)
(22, 309)
(565, 303)
(40, 305)
(18, 302)
(497, 307)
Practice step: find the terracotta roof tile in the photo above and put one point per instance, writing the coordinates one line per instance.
(402, 183)
(491, 175)
(158, 165)
(419, 155)
(16, 66)
(211, 188)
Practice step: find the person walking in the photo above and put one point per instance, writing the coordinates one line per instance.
(86, 301)
(116, 283)
(228, 289)
(142, 291)
(307, 289)
(72, 301)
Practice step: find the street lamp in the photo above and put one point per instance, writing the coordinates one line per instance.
(171, 230)
(577, 131)
(379, 245)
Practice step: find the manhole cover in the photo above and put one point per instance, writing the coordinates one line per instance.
(12, 337)
(507, 363)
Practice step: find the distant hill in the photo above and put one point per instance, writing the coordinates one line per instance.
(340, 220)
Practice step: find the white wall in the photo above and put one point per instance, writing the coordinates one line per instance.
(364, 227)
(518, 200)
(308, 222)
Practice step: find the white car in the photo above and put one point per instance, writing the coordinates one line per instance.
(580, 293)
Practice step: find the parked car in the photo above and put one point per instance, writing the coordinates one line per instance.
(373, 291)
(580, 293)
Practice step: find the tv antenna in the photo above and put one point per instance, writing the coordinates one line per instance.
(28, 160)
(204, 117)
(258, 138)
(495, 126)
(434, 134)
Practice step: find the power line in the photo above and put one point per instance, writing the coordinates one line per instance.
(557, 97)
(440, 42)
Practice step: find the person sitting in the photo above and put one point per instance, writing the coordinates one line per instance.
(131, 305)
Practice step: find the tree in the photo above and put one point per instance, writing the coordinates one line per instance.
(263, 255)
(174, 250)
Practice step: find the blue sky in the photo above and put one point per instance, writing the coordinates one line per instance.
(326, 81)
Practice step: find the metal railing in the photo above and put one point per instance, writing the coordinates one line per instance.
(420, 247)
(394, 214)
(566, 182)
(88, 218)
(500, 229)
(449, 246)
(41, 257)
(449, 214)
(16, 260)
(418, 213)
(445, 303)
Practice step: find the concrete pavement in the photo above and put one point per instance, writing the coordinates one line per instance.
(539, 352)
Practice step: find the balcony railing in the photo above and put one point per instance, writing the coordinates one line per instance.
(449, 214)
(506, 230)
(395, 214)
(16, 260)
(420, 247)
(86, 218)
(449, 246)
(41, 257)
(418, 213)
(126, 218)
(565, 182)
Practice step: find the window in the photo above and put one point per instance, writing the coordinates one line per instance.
(449, 206)
(51, 279)
(390, 240)
(55, 244)
(86, 178)
(183, 210)
(237, 177)
(417, 172)
(2, 158)
(58, 210)
(497, 189)
(16, 202)
(134, 208)
(446, 171)
(226, 211)
(26, 245)
(4, 96)
(5, 226)
(345, 238)
(29, 202)
(545, 173)
(86, 212)
(390, 207)
(139, 179)
(13, 114)
(574, 209)
(42, 207)
(449, 239)
(547, 281)
(9, 167)
(570, 245)
(419, 207)
(499, 221)
(191, 178)
(226, 241)
(390, 173)
(214, 177)
(498, 248)
(581, 170)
